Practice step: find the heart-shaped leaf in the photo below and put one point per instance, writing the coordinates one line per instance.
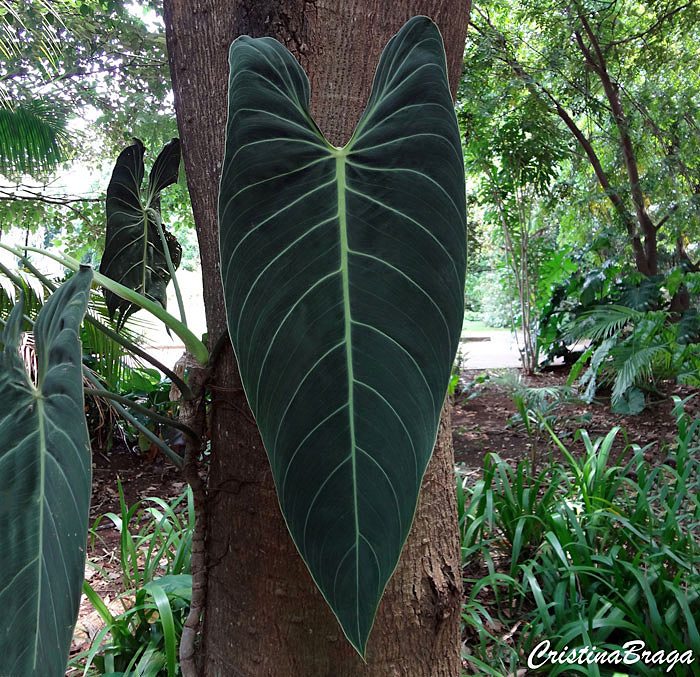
(135, 254)
(343, 274)
(45, 467)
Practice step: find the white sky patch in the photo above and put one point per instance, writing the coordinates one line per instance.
(152, 21)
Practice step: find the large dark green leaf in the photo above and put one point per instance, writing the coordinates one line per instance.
(343, 272)
(134, 253)
(45, 466)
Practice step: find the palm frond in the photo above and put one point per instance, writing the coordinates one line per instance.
(602, 322)
(600, 354)
(33, 138)
(635, 362)
(13, 29)
(533, 396)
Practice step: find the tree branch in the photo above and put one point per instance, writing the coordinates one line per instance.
(666, 217)
(653, 27)
(32, 195)
(538, 89)
(599, 66)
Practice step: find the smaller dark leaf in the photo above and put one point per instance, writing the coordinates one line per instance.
(134, 253)
(166, 167)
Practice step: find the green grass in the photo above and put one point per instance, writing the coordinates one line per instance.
(479, 326)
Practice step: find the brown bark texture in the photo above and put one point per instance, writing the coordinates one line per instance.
(264, 615)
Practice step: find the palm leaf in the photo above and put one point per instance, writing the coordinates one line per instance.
(602, 322)
(629, 369)
(33, 138)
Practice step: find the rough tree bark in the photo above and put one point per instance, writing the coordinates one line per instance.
(263, 614)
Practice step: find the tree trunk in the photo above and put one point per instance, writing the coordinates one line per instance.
(264, 615)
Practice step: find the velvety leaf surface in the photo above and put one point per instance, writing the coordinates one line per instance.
(134, 253)
(45, 469)
(343, 274)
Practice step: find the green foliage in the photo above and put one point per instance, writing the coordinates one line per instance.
(600, 552)
(632, 338)
(92, 57)
(633, 351)
(346, 357)
(155, 547)
(95, 70)
(32, 138)
(45, 484)
(155, 537)
(58, 435)
(139, 251)
(562, 174)
(113, 363)
(144, 638)
(32, 300)
(154, 394)
(494, 293)
(533, 57)
(512, 157)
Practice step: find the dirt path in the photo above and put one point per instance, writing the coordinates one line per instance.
(488, 349)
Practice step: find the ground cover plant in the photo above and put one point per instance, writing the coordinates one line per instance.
(155, 543)
(595, 550)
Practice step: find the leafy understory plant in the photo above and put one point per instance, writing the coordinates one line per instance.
(45, 456)
(143, 639)
(343, 272)
(154, 558)
(632, 351)
(537, 407)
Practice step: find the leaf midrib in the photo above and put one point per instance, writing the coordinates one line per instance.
(340, 156)
(40, 546)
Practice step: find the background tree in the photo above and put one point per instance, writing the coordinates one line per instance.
(516, 159)
(618, 81)
(260, 594)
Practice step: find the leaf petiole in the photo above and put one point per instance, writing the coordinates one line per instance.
(192, 343)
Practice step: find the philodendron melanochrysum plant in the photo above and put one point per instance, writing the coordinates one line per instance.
(139, 253)
(45, 469)
(343, 275)
(45, 455)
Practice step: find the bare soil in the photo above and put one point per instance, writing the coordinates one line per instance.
(481, 420)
